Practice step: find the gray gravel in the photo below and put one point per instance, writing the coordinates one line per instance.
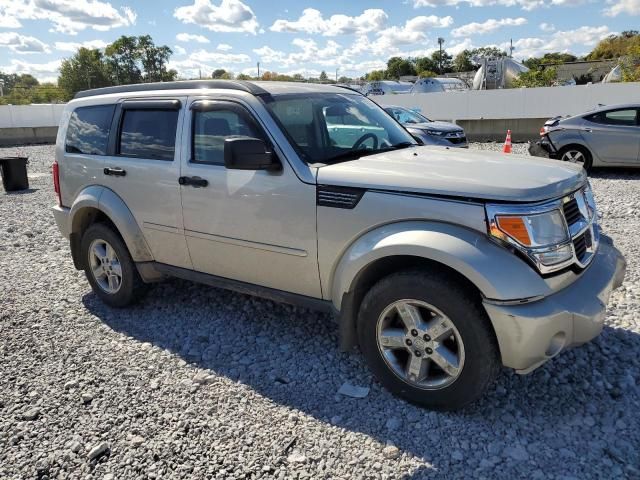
(203, 383)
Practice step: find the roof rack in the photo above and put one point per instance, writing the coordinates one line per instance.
(178, 85)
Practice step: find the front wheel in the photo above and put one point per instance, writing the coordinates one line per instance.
(427, 339)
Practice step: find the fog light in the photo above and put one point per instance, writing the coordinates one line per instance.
(556, 344)
(555, 255)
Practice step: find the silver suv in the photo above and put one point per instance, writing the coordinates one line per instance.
(441, 265)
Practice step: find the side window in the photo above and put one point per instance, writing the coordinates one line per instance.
(148, 133)
(210, 128)
(615, 117)
(88, 130)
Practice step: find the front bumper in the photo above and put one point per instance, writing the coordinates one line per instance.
(530, 334)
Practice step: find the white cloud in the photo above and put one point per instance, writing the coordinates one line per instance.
(547, 27)
(413, 31)
(69, 16)
(22, 43)
(229, 16)
(188, 37)
(561, 41)
(74, 46)
(224, 47)
(205, 56)
(488, 26)
(311, 21)
(630, 7)
(44, 72)
(524, 4)
(178, 50)
(7, 21)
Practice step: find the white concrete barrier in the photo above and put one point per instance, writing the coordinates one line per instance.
(520, 103)
(21, 116)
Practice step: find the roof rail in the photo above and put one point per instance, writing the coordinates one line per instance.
(177, 85)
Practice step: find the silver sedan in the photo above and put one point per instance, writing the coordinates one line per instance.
(428, 131)
(605, 137)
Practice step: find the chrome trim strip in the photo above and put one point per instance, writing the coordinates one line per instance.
(246, 243)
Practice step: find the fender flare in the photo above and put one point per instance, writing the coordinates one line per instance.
(496, 272)
(106, 201)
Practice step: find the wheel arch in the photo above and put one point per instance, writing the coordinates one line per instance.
(100, 204)
(492, 272)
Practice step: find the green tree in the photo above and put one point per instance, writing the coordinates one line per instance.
(536, 78)
(445, 64)
(220, 73)
(375, 75)
(425, 64)
(615, 46)
(462, 62)
(398, 66)
(154, 60)
(86, 69)
(243, 76)
(427, 74)
(123, 58)
(323, 76)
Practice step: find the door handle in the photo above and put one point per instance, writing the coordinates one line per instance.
(193, 181)
(117, 172)
(588, 130)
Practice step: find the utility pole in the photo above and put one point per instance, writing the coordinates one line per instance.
(511, 48)
(440, 42)
(258, 70)
(336, 75)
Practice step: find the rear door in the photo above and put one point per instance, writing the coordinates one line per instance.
(143, 167)
(613, 135)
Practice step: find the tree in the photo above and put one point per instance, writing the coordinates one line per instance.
(397, 67)
(554, 58)
(445, 64)
(344, 79)
(425, 64)
(427, 74)
(123, 59)
(375, 76)
(323, 76)
(221, 73)
(154, 60)
(462, 62)
(86, 69)
(536, 78)
(615, 46)
(243, 76)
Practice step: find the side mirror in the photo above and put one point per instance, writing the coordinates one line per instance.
(245, 153)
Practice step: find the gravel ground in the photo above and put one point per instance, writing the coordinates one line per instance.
(202, 383)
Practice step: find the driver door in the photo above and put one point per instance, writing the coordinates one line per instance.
(257, 227)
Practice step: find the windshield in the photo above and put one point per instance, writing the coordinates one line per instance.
(327, 127)
(404, 115)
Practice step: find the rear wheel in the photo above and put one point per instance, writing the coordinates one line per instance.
(109, 268)
(427, 339)
(576, 154)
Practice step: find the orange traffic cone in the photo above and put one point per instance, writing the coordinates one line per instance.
(507, 143)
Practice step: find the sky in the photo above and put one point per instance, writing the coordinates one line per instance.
(301, 36)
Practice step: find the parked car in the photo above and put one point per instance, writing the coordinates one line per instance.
(428, 131)
(605, 137)
(440, 264)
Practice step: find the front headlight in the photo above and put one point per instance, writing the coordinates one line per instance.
(538, 232)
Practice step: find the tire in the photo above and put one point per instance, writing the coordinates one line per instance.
(575, 151)
(102, 240)
(460, 321)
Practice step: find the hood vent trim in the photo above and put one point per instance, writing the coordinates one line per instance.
(338, 197)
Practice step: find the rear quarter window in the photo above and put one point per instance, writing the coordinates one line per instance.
(88, 130)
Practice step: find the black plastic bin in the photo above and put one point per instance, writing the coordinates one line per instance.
(14, 173)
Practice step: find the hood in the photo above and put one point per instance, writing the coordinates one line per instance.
(441, 126)
(452, 172)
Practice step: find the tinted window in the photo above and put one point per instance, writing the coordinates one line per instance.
(210, 128)
(88, 130)
(148, 134)
(615, 117)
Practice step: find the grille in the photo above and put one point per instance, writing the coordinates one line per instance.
(581, 243)
(572, 212)
(338, 197)
(457, 141)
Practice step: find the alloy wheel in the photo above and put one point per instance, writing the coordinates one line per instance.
(420, 344)
(105, 266)
(574, 156)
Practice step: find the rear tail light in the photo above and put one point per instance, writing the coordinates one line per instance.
(543, 131)
(55, 170)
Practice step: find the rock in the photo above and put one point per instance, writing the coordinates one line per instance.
(353, 391)
(203, 378)
(394, 423)
(296, 457)
(98, 450)
(31, 414)
(136, 440)
(516, 452)
(75, 446)
(390, 451)
(87, 398)
(457, 456)
(71, 384)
